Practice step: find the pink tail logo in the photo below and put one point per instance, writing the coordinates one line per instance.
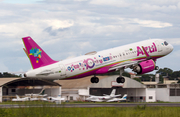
(36, 53)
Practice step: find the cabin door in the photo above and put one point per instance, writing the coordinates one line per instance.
(62, 70)
(159, 46)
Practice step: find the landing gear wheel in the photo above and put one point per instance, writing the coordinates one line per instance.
(120, 80)
(157, 68)
(94, 80)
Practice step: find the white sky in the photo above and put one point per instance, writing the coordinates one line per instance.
(69, 28)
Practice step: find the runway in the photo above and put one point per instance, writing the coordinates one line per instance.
(90, 105)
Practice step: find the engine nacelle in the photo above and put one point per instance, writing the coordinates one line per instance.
(145, 67)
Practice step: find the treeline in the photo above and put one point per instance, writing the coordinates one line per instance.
(8, 75)
(169, 73)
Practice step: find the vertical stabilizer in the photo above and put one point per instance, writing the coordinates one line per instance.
(17, 97)
(113, 92)
(42, 92)
(37, 56)
(124, 97)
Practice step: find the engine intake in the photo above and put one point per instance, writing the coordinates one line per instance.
(145, 67)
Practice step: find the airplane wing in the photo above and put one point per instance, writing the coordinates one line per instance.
(96, 100)
(115, 96)
(127, 64)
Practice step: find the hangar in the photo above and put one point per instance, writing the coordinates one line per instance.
(80, 89)
(9, 87)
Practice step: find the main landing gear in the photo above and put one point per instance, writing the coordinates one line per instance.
(94, 79)
(120, 79)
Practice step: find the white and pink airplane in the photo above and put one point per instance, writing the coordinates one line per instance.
(140, 57)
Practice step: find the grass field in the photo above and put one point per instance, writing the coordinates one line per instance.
(138, 111)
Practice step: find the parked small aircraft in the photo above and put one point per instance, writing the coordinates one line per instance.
(124, 98)
(141, 57)
(103, 98)
(41, 94)
(54, 99)
(21, 99)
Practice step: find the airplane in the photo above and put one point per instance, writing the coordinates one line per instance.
(20, 99)
(124, 98)
(141, 57)
(54, 99)
(41, 94)
(93, 98)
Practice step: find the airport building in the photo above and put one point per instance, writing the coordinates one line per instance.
(80, 89)
(9, 87)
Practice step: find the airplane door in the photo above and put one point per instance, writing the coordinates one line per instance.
(62, 69)
(159, 46)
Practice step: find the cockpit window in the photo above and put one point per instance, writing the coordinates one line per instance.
(165, 43)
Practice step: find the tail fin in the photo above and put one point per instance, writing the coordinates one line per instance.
(36, 55)
(113, 92)
(17, 97)
(125, 96)
(42, 92)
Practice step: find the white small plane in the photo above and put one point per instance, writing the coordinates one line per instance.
(41, 94)
(54, 99)
(124, 98)
(20, 99)
(93, 98)
(141, 57)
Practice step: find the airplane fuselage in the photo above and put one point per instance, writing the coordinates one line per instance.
(103, 61)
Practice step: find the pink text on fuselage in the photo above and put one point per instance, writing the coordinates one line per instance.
(149, 49)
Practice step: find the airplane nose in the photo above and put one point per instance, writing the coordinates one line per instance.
(171, 47)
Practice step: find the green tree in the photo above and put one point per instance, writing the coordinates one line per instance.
(161, 79)
(137, 79)
(175, 74)
(147, 77)
(165, 71)
(7, 75)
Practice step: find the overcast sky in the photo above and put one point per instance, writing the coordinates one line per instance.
(69, 28)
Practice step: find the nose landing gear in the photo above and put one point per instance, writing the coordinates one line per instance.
(120, 79)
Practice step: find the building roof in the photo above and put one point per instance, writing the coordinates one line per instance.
(25, 82)
(104, 82)
(81, 83)
(132, 73)
(149, 83)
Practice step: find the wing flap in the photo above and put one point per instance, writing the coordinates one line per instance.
(126, 64)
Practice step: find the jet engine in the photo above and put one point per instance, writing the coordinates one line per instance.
(145, 67)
